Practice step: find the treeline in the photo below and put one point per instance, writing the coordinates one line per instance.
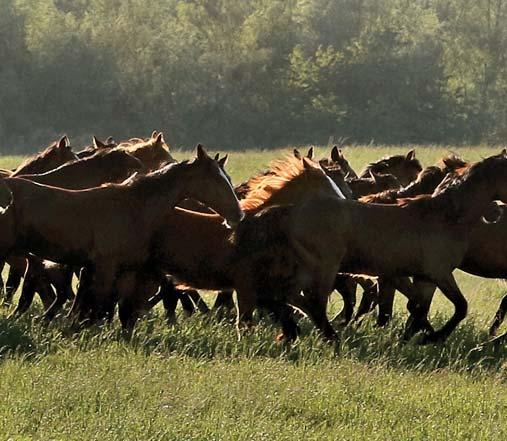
(245, 73)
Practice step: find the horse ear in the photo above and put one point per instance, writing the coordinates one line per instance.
(201, 152)
(217, 157)
(297, 154)
(154, 134)
(411, 155)
(336, 154)
(5, 196)
(223, 161)
(97, 143)
(159, 139)
(64, 142)
(309, 155)
(110, 140)
(504, 152)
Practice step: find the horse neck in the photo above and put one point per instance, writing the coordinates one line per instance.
(173, 184)
(470, 199)
(417, 188)
(295, 191)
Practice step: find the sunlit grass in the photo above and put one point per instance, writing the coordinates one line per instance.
(194, 380)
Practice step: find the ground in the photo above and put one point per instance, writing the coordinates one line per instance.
(195, 381)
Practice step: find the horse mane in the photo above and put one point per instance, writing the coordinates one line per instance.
(452, 162)
(263, 186)
(134, 144)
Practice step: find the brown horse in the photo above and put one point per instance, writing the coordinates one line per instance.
(97, 146)
(55, 155)
(425, 183)
(41, 277)
(55, 223)
(106, 166)
(336, 166)
(198, 250)
(426, 238)
(404, 167)
(153, 153)
(375, 183)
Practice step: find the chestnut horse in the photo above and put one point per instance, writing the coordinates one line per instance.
(425, 183)
(97, 146)
(426, 238)
(55, 223)
(55, 155)
(106, 166)
(153, 153)
(404, 167)
(198, 250)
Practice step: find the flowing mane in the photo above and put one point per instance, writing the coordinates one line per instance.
(262, 187)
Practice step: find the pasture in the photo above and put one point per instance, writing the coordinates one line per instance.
(194, 380)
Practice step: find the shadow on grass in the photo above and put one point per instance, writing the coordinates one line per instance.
(14, 338)
(206, 338)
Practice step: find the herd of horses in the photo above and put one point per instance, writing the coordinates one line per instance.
(138, 227)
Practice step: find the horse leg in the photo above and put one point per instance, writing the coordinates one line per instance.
(224, 304)
(26, 297)
(347, 287)
(16, 273)
(420, 294)
(63, 294)
(283, 314)
(2, 286)
(451, 290)
(246, 304)
(385, 296)
(499, 317)
(81, 306)
(169, 299)
(129, 286)
(198, 301)
(186, 302)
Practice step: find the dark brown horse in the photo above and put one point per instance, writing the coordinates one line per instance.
(425, 183)
(55, 155)
(106, 166)
(198, 250)
(97, 146)
(153, 153)
(55, 223)
(404, 167)
(425, 238)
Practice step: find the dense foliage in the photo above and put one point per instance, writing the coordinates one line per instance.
(240, 73)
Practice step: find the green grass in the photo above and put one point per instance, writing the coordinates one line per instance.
(195, 381)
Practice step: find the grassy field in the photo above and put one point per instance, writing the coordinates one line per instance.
(193, 380)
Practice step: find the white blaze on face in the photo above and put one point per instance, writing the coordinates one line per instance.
(335, 188)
